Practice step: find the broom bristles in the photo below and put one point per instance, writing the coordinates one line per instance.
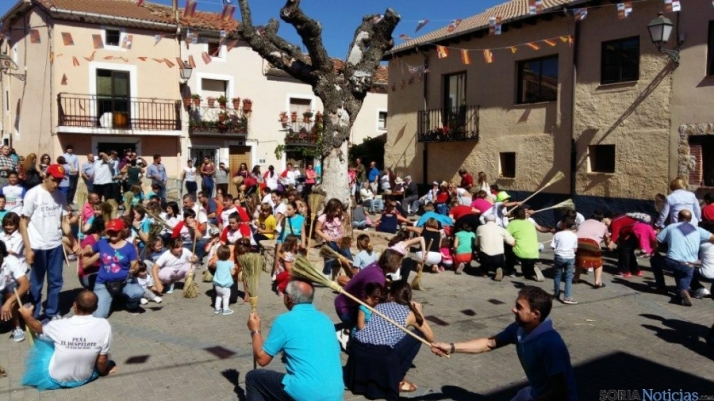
(566, 204)
(328, 253)
(251, 264)
(302, 268)
(557, 177)
(190, 289)
(416, 283)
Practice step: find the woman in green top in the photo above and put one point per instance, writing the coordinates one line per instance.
(526, 249)
(133, 171)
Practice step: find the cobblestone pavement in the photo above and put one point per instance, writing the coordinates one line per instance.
(621, 337)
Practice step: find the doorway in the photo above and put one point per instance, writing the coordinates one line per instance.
(236, 156)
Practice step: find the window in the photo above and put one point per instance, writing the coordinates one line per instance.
(538, 80)
(602, 158)
(113, 97)
(620, 60)
(214, 49)
(382, 122)
(214, 88)
(300, 106)
(507, 166)
(454, 114)
(710, 50)
(112, 37)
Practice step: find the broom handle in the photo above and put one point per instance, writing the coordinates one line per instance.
(426, 254)
(544, 209)
(64, 252)
(29, 335)
(80, 245)
(531, 196)
(399, 326)
(312, 226)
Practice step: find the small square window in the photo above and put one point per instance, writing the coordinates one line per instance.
(214, 49)
(382, 123)
(507, 164)
(112, 37)
(602, 158)
(620, 61)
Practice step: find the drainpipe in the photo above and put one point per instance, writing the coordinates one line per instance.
(425, 94)
(573, 145)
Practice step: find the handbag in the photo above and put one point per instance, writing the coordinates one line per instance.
(115, 287)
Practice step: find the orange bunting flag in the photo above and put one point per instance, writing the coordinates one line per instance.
(190, 9)
(206, 58)
(453, 25)
(231, 45)
(64, 80)
(488, 56)
(624, 10)
(139, 3)
(180, 63)
(494, 26)
(97, 41)
(441, 52)
(550, 42)
(514, 49)
(533, 46)
(169, 63)
(75, 62)
(91, 58)
(227, 13)
(108, 57)
(52, 58)
(580, 14)
(143, 58)
(67, 39)
(191, 62)
(672, 6)
(34, 36)
(465, 57)
(405, 37)
(535, 7)
(158, 60)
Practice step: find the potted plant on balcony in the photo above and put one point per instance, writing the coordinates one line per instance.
(293, 116)
(247, 105)
(196, 99)
(222, 116)
(306, 116)
(222, 101)
(284, 117)
(318, 118)
(236, 103)
(211, 102)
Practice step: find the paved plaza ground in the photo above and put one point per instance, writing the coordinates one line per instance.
(622, 337)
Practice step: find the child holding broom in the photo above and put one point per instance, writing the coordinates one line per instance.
(223, 280)
(329, 228)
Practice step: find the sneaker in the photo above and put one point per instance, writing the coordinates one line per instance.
(556, 295)
(342, 338)
(538, 275)
(18, 335)
(459, 269)
(144, 301)
(589, 270)
(218, 311)
(686, 299)
(227, 312)
(623, 275)
(170, 290)
(72, 257)
(499, 274)
(57, 317)
(570, 301)
(157, 300)
(700, 293)
(640, 274)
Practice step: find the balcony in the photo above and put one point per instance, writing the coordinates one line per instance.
(92, 114)
(301, 134)
(456, 124)
(212, 121)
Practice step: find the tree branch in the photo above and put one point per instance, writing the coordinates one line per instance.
(310, 32)
(277, 51)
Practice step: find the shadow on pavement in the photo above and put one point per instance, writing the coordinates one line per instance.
(232, 376)
(682, 332)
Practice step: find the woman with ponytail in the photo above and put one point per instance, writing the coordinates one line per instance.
(366, 255)
(380, 353)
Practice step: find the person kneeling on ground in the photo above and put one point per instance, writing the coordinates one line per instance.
(76, 350)
(173, 265)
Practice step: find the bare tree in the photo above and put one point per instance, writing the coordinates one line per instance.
(342, 91)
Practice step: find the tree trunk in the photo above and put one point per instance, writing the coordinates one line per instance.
(335, 181)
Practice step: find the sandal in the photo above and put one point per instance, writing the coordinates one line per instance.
(406, 387)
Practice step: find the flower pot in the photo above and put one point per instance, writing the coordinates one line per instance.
(284, 119)
(236, 104)
(247, 107)
(211, 102)
(293, 117)
(222, 117)
(196, 102)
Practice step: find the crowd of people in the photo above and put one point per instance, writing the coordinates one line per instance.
(134, 247)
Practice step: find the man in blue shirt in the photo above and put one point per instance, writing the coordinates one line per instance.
(157, 173)
(542, 352)
(373, 176)
(87, 173)
(683, 241)
(310, 351)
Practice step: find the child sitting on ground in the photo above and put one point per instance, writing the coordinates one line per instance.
(374, 293)
(286, 256)
(564, 244)
(463, 247)
(144, 279)
(360, 219)
(447, 262)
(366, 255)
(13, 277)
(223, 280)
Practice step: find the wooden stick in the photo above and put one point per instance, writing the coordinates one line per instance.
(416, 283)
(64, 252)
(28, 333)
(312, 226)
(558, 176)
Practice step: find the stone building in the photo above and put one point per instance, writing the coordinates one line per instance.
(591, 97)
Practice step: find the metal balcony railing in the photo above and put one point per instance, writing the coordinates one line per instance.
(118, 113)
(301, 133)
(217, 120)
(448, 124)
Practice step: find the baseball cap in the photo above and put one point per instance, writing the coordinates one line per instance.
(56, 171)
(115, 225)
(282, 281)
(502, 196)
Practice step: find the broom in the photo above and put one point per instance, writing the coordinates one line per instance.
(566, 204)
(416, 283)
(328, 253)
(190, 289)
(306, 271)
(252, 264)
(28, 333)
(557, 177)
(314, 201)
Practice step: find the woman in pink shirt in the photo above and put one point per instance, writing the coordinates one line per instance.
(481, 202)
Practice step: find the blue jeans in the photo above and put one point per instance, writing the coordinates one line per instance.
(407, 348)
(375, 205)
(682, 272)
(560, 266)
(132, 292)
(47, 262)
(200, 248)
(334, 263)
(264, 384)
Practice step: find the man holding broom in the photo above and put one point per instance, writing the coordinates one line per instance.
(311, 352)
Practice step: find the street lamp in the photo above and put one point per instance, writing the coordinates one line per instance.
(186, 71)
(660, 30)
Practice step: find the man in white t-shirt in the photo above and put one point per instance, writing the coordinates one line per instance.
(173, 265)
(44, 219)
(228, 209)
(81, 346)
(14, 193)
(103, 174)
